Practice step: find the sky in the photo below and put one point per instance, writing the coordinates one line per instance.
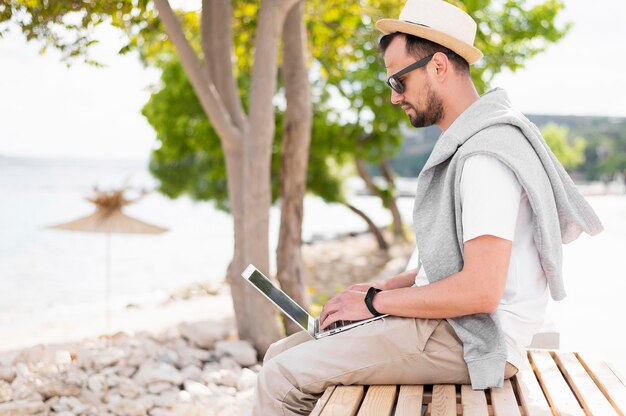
(50, 110)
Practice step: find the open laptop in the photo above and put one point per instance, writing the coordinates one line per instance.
(294, 311)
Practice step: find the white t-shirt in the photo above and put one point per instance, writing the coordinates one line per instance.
(494, 203)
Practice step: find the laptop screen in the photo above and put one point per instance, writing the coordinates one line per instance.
(283, 301)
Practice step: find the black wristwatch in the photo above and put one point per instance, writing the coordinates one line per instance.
(369, 298)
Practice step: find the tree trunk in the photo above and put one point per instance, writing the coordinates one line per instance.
(387, 197)
(398, 226)
(247, 152)
(382, 244)
(296, 143)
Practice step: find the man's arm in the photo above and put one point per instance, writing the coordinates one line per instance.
(404, 279)
(475, 289)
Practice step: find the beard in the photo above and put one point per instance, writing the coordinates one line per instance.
(432, 114)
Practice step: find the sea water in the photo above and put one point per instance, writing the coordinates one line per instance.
(48, 275)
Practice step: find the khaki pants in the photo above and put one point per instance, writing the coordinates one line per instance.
(392, 350)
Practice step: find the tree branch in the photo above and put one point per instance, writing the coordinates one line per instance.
(270, 23)
(217, 47)
(204, 88)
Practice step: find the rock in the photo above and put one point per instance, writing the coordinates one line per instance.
(222, 377)
(127, 407)
(203, 334)
(197, 389)
(169, 357)
(147, 400)
(190, 410)
(160, 411)
(22, 408)
(159, 387)
(247, 379)
(191, 372)
(195, 353)
(126, 387)
(240, 351)
(90, 398)
(108, 357)
(188, 356)
(66, 404)
(229, 363)
(33, 355)
(97, 383)
(151, 372)
(62, 357)
(54, 385)
(6, 392)
(84, 358)
(75, 376)
(7, 374)
(169, 334)
(168, 398)
(24, 389)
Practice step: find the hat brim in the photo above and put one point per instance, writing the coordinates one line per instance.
(468, 52)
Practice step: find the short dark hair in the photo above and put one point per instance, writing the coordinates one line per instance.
(420, 48)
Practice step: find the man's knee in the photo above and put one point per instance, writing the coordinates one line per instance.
(272, 352)
(285, 344)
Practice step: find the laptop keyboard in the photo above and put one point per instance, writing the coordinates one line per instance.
(338, 324)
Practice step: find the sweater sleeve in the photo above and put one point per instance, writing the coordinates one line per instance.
(490, 198)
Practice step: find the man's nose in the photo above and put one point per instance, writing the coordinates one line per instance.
(396, 97)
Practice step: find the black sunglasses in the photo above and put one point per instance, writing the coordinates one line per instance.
(394, 80)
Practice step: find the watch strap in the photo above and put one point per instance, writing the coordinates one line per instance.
(369, 299)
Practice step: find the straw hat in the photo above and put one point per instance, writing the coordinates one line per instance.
(439, 22)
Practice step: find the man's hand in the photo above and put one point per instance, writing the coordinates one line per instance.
(347, 305)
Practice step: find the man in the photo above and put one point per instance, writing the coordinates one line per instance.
(493, 206)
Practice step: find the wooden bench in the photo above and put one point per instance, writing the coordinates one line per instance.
(555, 383)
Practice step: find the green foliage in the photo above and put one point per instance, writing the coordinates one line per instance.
(570, 153)
(68, 25)
(510, 32)
(345, 65)
(189, 159)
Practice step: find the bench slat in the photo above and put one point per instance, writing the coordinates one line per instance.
(474, 402)
(319, 406)
(503, 400)
(608, 382)
(444, 400)
(379, 400)
(529, 391)
(344, 401)
(590, 396)
(410, 401)
(559, 395)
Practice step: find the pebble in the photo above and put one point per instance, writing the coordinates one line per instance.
(132, 376)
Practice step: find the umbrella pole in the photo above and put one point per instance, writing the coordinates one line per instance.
(107, 290)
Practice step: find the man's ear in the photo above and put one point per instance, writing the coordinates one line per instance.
(441, 64)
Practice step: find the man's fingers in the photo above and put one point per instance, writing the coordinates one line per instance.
(328, 321)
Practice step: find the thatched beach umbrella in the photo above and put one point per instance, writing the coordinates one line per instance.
(108, 219)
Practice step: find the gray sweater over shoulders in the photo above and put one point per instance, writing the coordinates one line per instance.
(560, 213)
